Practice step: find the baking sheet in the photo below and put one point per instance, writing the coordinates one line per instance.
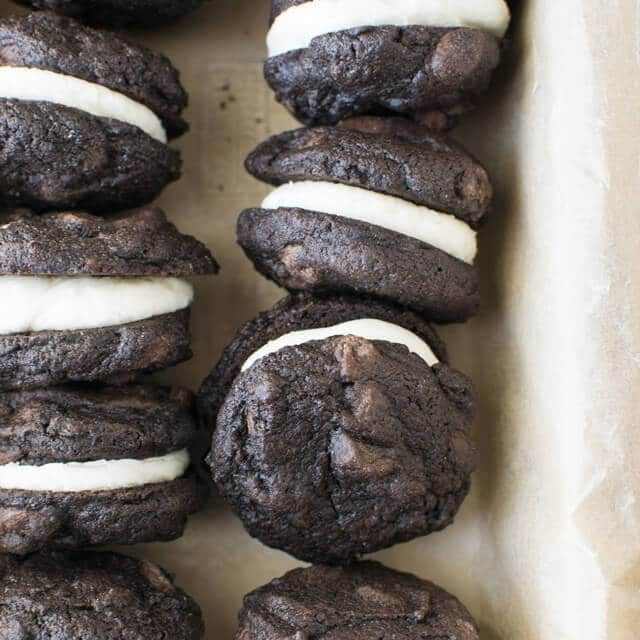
(547, 546)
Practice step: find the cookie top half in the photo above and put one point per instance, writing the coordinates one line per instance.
(80, 424)
(358, 602)
(392, 156)
(118, 13)
(139, 243)
(52, 51)
(92, 596)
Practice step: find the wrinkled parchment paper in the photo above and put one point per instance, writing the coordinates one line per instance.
(547, 547)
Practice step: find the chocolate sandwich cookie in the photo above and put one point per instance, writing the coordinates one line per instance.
(363, 601)
(85, 116)
(340, 430)
(93, 299)
(378, 207)
(93, 466)
(117, 13)
(92, 596)
(330, 59)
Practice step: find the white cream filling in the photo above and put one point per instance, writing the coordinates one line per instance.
(368, 328)
(298, 25)
(27, 83)
(96, 475)
(41, 303)
(440, 230)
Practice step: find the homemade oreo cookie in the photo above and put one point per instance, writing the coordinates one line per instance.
(93, 299)
(378, 207)
(340, 430)
(363, 601)
(93, 466)
(118, 13)
(84, 117)
(331, 59)
(91, 596)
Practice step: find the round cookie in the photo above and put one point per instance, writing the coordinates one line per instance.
(94, 299)
(85, 116)
(329, 60)
(379, 426)
(376, 207)
(362, 601)
(91, 596)
(94, 466)
(118, 13)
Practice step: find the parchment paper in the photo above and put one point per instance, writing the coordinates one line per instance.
(547, 547)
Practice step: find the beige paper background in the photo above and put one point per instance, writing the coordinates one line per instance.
(547, 547)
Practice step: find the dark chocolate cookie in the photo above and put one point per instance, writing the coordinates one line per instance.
(59, 44)
(107, 354)
(340, 447)
(310, 251)
(389, 155)
(118, 13)
(141, 243)
(62, 147)
(92, 596)
(76, 425)
(363, 601)
(296, 313)
(55, 157)
(383, 70)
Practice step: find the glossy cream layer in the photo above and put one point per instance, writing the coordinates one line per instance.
(440, 230)
(368, 328)
(298, 25)
(96, 475)
(41, 303)
(27, 83)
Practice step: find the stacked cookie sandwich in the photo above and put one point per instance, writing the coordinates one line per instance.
(89, 455)
(339, 427)
(85, 117)
(94, 300)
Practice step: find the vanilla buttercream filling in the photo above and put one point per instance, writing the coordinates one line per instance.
(43, 303)
(440, 230)
(367, 328)
(96, 475)
(296, 27)
(27, 83)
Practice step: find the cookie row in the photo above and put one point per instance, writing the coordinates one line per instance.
(339, 427)
(109, 596)
(91, 301)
